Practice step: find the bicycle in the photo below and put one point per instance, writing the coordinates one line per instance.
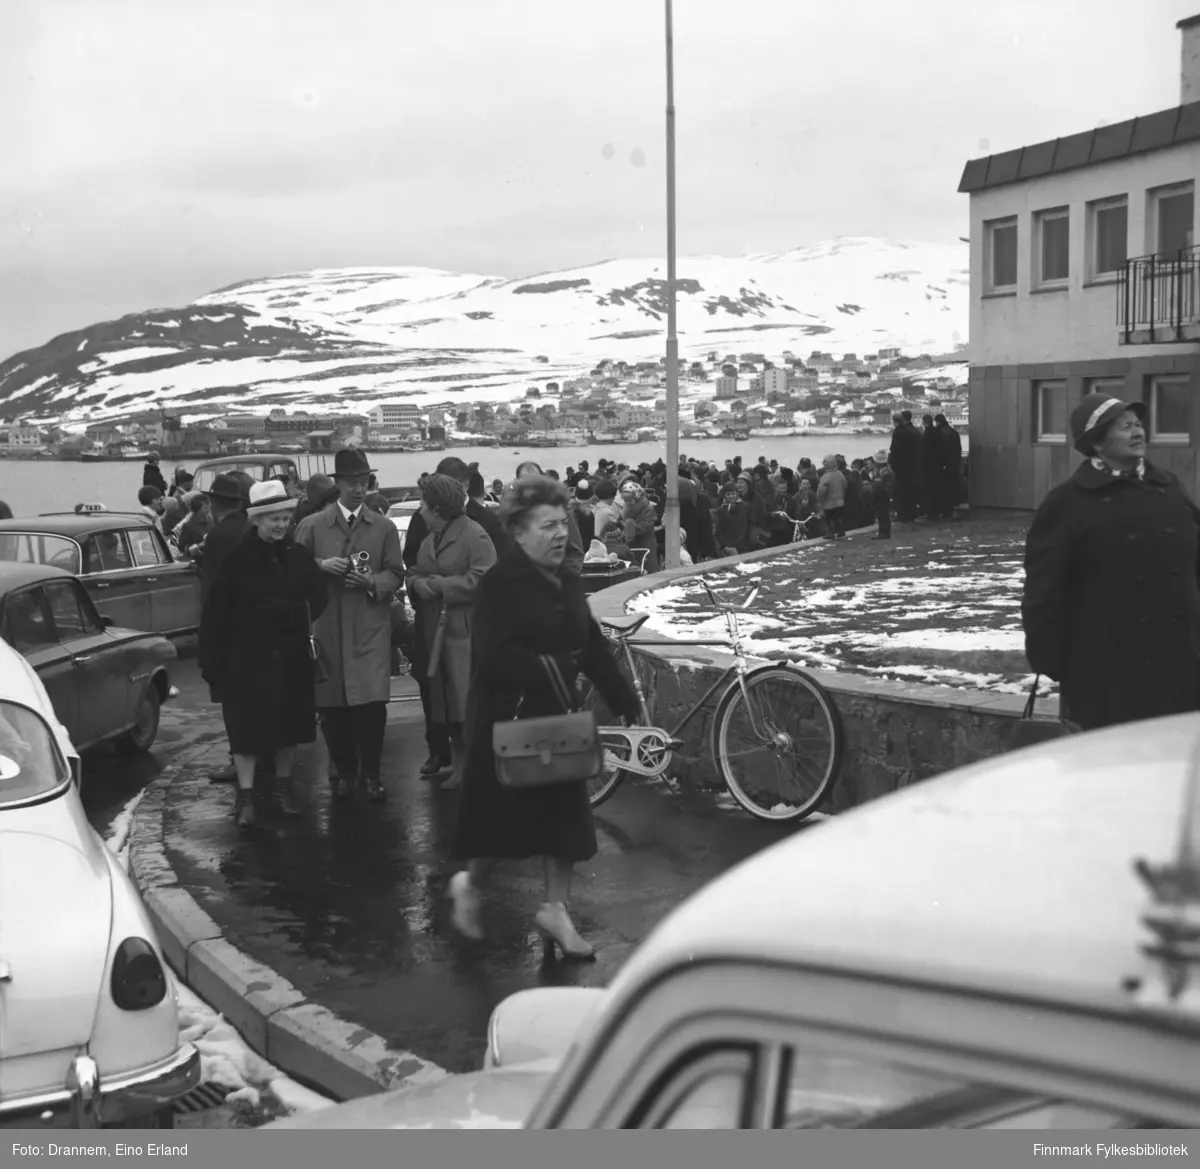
(776, 737)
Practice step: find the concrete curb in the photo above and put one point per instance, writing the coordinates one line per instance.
(300, 1037)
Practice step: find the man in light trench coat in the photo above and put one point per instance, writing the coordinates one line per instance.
(355, 631)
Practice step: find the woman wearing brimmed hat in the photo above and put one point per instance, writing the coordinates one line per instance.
(1111, 608)
(254, 645)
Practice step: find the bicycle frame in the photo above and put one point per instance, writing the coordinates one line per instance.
(665, 742)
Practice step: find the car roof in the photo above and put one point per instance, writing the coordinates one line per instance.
(1013, 875)
(71, 524)
(14, 575)
(20, 683)
(243, 460)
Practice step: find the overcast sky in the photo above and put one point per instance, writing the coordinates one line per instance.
(154, 150)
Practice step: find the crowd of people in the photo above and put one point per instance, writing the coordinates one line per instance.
(306, 591)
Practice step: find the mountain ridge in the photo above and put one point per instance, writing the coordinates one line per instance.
(407, 332)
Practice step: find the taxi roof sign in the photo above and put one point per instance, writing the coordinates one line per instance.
(89, 508)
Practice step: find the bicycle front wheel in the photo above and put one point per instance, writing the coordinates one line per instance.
(611, 778)
(778, 743)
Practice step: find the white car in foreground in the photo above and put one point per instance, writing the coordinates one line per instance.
(1012, 945)
(89, 1034)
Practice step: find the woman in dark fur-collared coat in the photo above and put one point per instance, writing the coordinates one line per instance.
(254, 645)
(529, 609)
(1112, 608)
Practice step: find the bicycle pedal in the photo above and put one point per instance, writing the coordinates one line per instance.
(674, 744)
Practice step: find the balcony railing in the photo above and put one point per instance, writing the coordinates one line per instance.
(1157, 297)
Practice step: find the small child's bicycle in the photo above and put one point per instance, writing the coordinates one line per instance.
(776, 738)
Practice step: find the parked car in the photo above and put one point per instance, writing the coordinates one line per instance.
(123, 560)
(106, 683)
(89, 1032)
(297, 467)
(401, 515)
(974, 951)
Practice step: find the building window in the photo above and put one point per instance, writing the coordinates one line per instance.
(1108, 231)
(1050, 410)
(1112, 387)
(1052, 236)
(1000, 237)
(1171, 409)
(1174, 218)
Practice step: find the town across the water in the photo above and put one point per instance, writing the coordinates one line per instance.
(727, 395)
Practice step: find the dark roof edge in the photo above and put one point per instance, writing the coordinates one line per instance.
(978, 171)
(1187, 22)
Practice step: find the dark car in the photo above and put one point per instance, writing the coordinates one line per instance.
(123, 560)
(105, 682)
(297, 468)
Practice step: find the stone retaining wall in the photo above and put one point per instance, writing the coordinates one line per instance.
(894, 733)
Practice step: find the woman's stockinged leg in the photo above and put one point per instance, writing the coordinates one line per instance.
(556, 879)
(553, 921)
(243, 808)
(285, 762)
(285, 796)
(458, 758)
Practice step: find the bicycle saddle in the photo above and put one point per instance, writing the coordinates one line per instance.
(626, 625)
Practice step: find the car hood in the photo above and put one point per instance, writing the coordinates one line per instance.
(55, 919)
(503, 1098)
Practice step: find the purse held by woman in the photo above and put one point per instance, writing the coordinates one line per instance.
(560, 748)
(1030, 731)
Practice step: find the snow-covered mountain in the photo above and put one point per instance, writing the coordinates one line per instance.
(360, 336)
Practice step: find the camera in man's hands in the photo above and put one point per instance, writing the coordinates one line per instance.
(360, 563)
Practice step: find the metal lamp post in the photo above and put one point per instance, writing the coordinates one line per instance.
(671, 511)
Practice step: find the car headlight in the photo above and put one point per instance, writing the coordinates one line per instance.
(138, 979)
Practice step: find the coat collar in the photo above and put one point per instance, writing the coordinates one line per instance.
(1091, 479)
(333, 516)
(515, 565)
(452, 532)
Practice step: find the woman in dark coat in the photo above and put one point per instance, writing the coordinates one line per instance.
(1111, 608)
(254, 647)
(528, 609)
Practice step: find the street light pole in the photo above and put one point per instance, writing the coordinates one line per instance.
(671, 511)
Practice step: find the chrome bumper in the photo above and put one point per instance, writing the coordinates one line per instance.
(87, 1100)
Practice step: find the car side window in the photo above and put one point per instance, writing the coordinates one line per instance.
(708, 1089)
(824, 1090)
(72, 618)
(146, 550)
(106, 552)
(27, 621)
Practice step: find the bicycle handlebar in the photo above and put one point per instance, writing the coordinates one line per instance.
(755, 588)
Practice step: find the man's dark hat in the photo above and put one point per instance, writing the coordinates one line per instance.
(227, 487)
(350, 462)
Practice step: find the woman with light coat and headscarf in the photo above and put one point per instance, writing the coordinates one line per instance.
(450, 564)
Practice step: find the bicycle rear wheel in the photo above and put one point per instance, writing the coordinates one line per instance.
(602, 787)
(778, 743)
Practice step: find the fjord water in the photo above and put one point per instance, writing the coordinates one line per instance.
(34, 486)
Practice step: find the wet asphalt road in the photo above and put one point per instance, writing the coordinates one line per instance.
(348, 901)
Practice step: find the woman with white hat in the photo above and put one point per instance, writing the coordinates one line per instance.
(255, 649)
(1112, 608)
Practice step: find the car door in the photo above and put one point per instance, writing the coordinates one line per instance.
(28, 626)
(173, 585)
(102, 674)
(116, 585)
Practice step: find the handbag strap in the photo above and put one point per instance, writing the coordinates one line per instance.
(1032, 697)
(557, 682)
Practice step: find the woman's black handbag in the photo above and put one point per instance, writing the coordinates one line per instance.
(1030, 731)
(539, 752)
(320, 668)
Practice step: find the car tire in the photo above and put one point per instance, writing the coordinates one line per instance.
(140, 737)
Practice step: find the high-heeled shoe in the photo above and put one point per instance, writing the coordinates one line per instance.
(554, 925)
(466, 917)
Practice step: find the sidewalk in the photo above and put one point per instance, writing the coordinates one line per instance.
(347, 902)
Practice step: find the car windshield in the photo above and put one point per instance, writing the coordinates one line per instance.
(30, 761)
(39, 548)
